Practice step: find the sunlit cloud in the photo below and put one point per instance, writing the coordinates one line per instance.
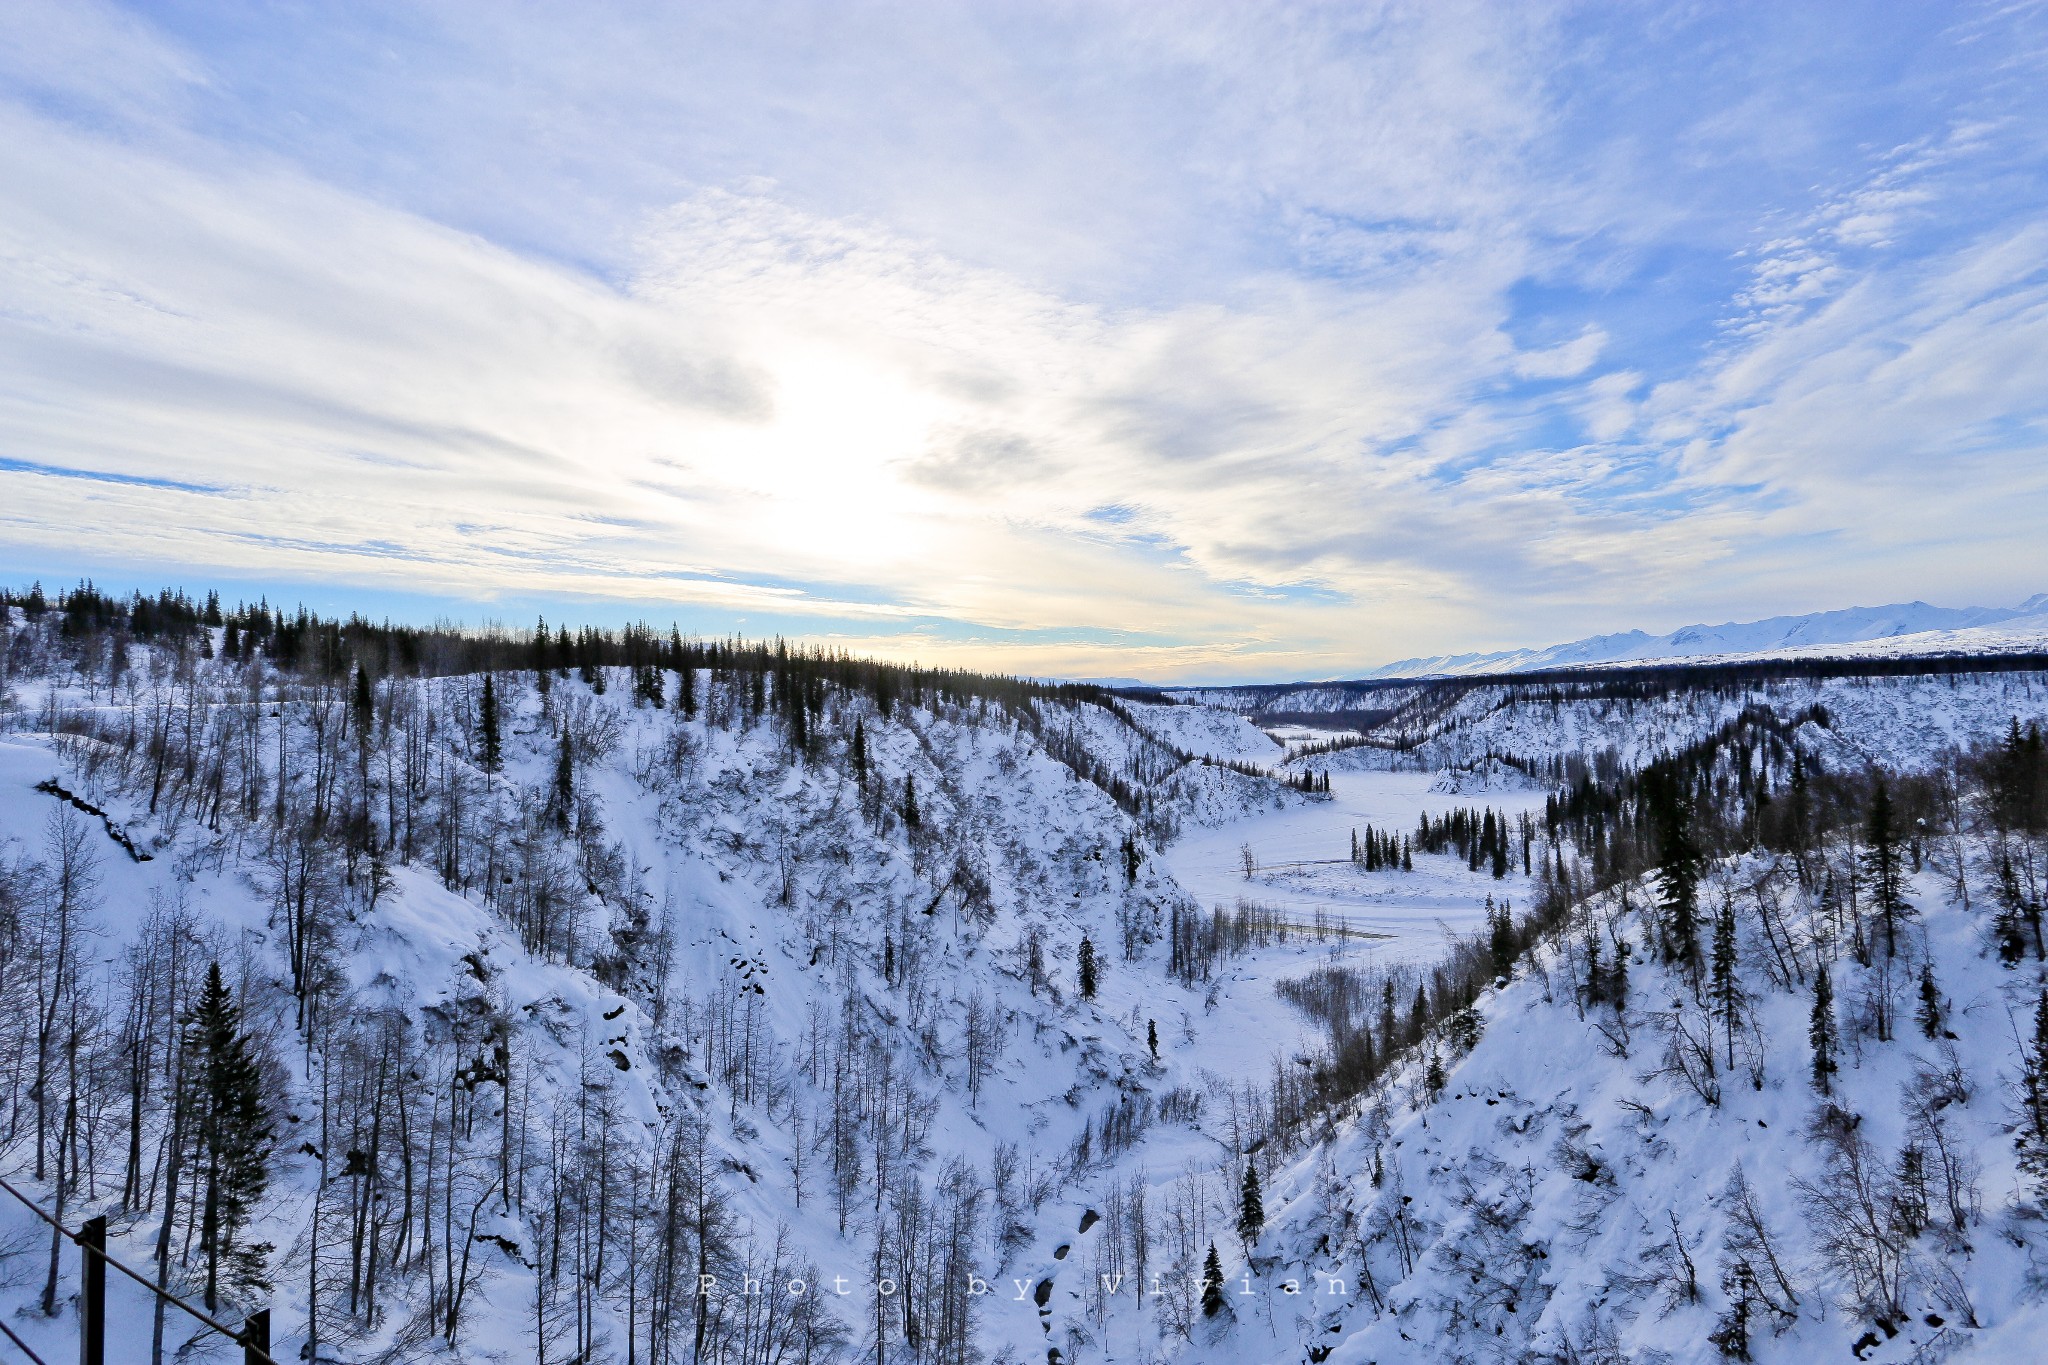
(1278, 343)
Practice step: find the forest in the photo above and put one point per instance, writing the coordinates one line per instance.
(285, 1102)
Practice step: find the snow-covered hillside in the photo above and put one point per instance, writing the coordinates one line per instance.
(955, 1016)
(1603, 1181)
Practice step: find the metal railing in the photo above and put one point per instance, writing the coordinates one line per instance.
(93, 1260)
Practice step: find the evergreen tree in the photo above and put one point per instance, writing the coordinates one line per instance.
(1617, 981)
(543, 678)
(487, 727)
(565, 781)
(1678, 879)
(1152, 1037)
(911, 819)
(1088, 967)
(1212, 1283)
(1407, 855)
(2033, 1138)
(1134, 859)
(686, 690)
(232, 1137)
(1882, 864)
(1251, 1208)
(1821, 1033)
(363, 710)
(1501, 938)
(1724, 986)
(857, 752)
(1929, 1015)
(1433, 1078)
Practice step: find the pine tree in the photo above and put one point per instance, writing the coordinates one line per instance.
(1088, 966)
(487, 727)
(1433, 1078)
(233, 1137)
(1881, 863)
(1724, 986)
(1251, 1208)
(1152, 1037)
(1929, 1015)
(1821, 1033)
(1212, 1283)
(1134, 859)
(857, 752)
(911, 819)
(543, 677)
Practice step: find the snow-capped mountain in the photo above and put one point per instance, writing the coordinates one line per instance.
(1903, 627)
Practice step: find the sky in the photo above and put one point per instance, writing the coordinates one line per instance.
(1193, 341)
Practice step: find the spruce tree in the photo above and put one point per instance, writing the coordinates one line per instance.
(565, 781)
(1881, 863)
(1821, 1033)
(911, 819)
(1251, 1209)
(1212, 1283)
(1929, 1015)
(1088, 966)
(487, 727)
(1152, 1037)
(1500, 938)
(1678, 879)
(857, 752)
(2033, 1138)
(232, 1137)
(1724, 986)
(363, 710)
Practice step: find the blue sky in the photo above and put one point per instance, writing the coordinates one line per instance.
(1192, 341)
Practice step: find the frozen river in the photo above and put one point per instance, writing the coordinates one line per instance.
(1303, 859)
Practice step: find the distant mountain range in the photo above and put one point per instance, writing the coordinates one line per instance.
(1901, 628)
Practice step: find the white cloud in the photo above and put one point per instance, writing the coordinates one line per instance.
(1327, 440)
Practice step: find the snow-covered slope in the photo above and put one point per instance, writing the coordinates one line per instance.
(1595, 1183)
(789, 988)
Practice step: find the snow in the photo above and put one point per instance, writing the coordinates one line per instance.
(1304, 867)
(1901, 628)
(756, 863)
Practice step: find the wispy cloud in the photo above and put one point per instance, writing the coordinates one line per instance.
(1208, 340)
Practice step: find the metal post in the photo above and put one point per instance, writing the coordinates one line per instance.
(92, 1303)
(256, 1337)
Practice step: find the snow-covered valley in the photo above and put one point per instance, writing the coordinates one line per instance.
(736, 1005)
